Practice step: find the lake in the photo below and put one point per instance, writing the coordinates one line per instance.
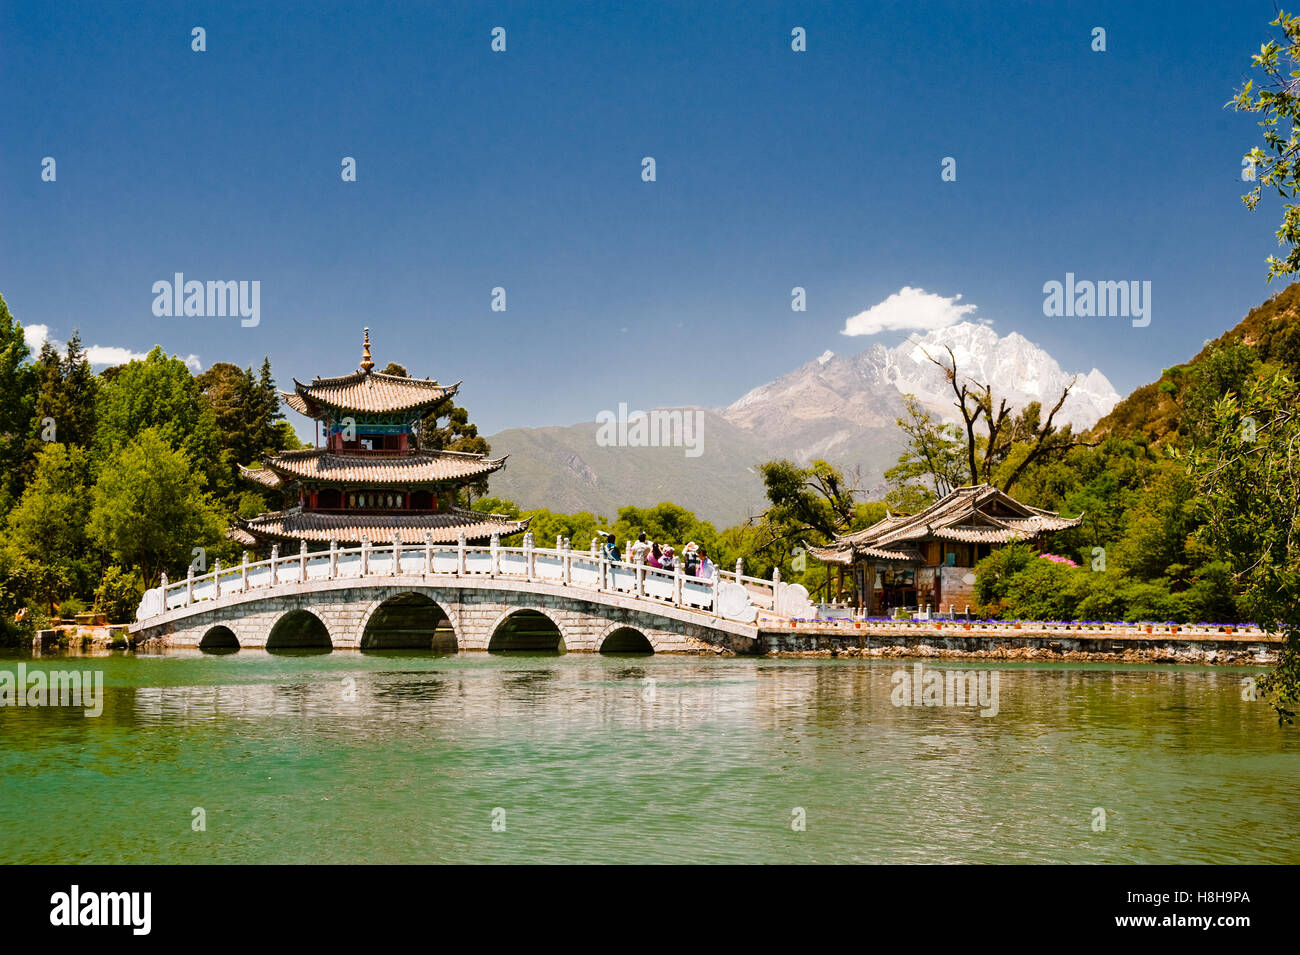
(413, 757)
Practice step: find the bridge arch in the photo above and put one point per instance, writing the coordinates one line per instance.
(219, 639)
(299, 629)
(407, 620)
(624, 638)
(526, 628)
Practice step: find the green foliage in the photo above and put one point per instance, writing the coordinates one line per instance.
(49, 524)
(71, 606)
(160, 394)
(814, 500)
(932, 463)
(17, 380)
(118, 594)
(1247, 478)
(249, 425)
(1278, 99)
(65, 399)
(149, 509)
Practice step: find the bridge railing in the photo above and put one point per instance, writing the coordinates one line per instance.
(725, 594)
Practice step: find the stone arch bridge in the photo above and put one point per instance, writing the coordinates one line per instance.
(459, 597)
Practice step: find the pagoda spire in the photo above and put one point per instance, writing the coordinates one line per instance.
(366, 363)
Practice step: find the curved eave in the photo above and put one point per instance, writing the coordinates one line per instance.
(265, 476)
(383, 472)
(423, 395)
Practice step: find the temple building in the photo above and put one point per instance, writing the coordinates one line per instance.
(928, 558)
(370, 479)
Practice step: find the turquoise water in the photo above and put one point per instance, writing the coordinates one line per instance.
(412, 757)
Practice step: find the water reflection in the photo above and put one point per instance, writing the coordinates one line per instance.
(667, 759)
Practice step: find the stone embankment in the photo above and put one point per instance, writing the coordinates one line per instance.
(1137, 643)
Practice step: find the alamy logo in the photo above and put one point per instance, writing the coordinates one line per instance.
(74, 907)
(208, 300)
(57, 688)
(1087, 299)
(924, 687)
(661, 428)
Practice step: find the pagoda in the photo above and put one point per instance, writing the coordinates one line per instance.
(370, 480)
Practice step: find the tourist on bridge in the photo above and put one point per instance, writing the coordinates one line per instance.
(611, 548)
(655, 556)
(639, 549)
(706, 566)
(668, 561)
(692, 558)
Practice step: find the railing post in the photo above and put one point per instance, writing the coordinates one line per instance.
(677, 580)
(460, 554)
(494, 546)
(740, 568)
(397, 555)
(275, 556)
(559, 542)
(640, 575)
(715, 583)
(365, 555)
(243, 573)
(428, 552)
(595, 549)
(776, 579)
(162, 585)
(334, 558)
(189, 587)
(604, 562)
(567, 558)
(302, 562)
(216, 578)
(528, 556)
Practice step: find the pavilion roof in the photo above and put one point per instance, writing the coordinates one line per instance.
(444, 527)
(366, 392)
(978, 513)
(398, 470)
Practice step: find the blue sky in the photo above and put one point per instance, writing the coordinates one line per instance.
(522, 170)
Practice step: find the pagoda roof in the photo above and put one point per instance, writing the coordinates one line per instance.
(413, 467)
(977, 513)
(366, 392)
(444, 527)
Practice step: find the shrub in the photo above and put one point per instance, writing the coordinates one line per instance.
(118, 594)
(71, 606)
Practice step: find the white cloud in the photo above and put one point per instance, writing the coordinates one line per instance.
(112, 355)
(97, 355)
(908, 309)
(35, 336)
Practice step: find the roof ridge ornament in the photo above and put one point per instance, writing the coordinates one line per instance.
(366, 363)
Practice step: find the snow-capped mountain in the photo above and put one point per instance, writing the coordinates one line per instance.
(841, 408)
(822, 405)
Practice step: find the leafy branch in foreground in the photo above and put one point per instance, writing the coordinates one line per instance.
(1278, 164)
(1248, 477)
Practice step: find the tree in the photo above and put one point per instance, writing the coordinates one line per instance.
(159, 393)
(1011, 443)
(933, 455)
(1278, 164)
(149, 510)
(1247, 477)
(118, 594)
(48, 526)
(17, 380)
(803, 500)
(64, 408)
(250, 426)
